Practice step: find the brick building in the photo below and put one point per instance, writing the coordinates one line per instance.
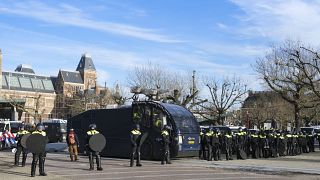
(27, 96)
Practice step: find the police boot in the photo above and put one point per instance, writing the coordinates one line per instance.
(98, 160)
(132, 159)
(33, 169)
(138, 160)
(168, 158)
(91, 162)
(41, 167)
(16, 160)
(24, 158)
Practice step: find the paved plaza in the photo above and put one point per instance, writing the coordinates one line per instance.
(58, 166)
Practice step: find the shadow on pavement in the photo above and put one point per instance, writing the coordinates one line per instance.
(14, 173)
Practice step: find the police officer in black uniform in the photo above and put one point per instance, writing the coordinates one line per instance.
(135, 135)
(41, 156)
(208, 142)
(202, 151)
(92, 131)
(165, 138)
(228, 145)
(20, 149)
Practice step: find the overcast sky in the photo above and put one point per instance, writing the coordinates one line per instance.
(217, 37)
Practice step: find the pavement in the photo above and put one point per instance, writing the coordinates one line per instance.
(308, 163)
(58, 166)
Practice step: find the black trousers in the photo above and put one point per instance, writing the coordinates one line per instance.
(35, 157)
(24, 152)
(135, 153)
(165, 154)
(93, 154)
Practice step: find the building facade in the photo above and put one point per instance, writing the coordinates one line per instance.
(29, 97)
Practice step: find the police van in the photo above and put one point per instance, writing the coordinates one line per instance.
(56, 130)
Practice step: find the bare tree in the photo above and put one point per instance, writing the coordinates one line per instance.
(223, 95)
(281, 71)
(157, 83)
(35, 110)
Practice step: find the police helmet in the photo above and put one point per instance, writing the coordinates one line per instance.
(92, 126)
(211, 128)
(40, 127)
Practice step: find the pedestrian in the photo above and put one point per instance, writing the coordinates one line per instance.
(165, 137)
(92, 131)
(20, 148)
(135, 136)
(73, 143)
(40, 156)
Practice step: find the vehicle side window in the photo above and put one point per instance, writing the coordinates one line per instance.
(159, 119)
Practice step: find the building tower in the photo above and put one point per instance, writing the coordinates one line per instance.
(88, 71)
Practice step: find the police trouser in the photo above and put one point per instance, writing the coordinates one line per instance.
(216, 152)
(228, 152)
(165, 154)
(98, 159)
(289, 148)
(202, 151)
(35, 157)
(209, 147)
(17, 155)
(135, 152)
(311, 146)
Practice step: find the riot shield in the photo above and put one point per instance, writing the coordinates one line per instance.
(24, 140)
(243, 154)
(97, 142)
(36, 143)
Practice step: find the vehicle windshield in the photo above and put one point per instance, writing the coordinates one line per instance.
(63, 127)
(182, 118)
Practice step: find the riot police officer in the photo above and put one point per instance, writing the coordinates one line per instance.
(228, 145)
(216, 136)
(135, 135)
(20, 149)
(202, 151)
(41, 156)
(254, 144)
(208, 142)
(92, 131)
(165, 137)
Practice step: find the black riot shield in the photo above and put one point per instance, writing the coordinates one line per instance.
(24, 140)
(97, 142)
(36, 143)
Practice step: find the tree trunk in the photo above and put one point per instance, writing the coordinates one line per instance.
(297, 117)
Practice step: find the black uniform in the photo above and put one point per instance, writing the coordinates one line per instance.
(263, 145)
(228, 146)
(91, 152)
(135, 135)
(241, 143)
(310, 138)
(254, 144)
(216, 136)
(165, 137)
(202, 151)
(20, 149)
(41, 157)
(208, 143)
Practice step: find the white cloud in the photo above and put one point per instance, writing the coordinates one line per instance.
(277, 20)
(65, 14)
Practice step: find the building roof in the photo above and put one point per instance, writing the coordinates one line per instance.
(71, 76)
(85, 63)
(24, 69)
(26, 82)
